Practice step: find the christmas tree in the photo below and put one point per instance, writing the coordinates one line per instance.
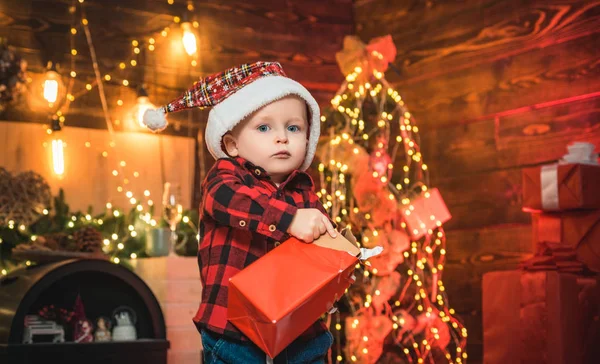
(373, 179)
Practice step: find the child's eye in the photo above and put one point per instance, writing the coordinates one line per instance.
(294, 128)
(263, 128)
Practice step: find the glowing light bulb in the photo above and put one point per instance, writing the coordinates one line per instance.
(58, 157)
(52, 83)
(50, 90)
(189, 39)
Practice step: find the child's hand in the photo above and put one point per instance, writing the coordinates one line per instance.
(310, 224)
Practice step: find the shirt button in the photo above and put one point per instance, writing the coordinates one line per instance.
(277, 243)
(272, 228)
(242, 223)
(257, 171)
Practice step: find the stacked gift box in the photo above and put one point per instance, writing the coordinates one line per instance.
(564, 199)
(547, 311)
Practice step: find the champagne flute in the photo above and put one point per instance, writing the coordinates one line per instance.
(172, 211)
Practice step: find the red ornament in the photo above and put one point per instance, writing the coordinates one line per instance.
(381, 161)
(427, 213)
(375, 328)
(387, 288)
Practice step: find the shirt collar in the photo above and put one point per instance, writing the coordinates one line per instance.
(297, 179)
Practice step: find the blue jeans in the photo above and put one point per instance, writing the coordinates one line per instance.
(221, 350)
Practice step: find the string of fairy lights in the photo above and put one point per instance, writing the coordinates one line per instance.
(425, 257)
(118, 75)
(59, 100)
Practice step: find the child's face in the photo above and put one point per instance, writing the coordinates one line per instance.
(274, 137)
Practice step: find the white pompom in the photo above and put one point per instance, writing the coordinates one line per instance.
(155, 119)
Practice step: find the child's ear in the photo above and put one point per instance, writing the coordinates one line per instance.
(230, 145)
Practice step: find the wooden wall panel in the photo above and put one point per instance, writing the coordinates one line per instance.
(472, 253)
(441, 37)
(482, 200)
(538, 75)
(302, 35)
(495, 86)
(528, 137)
(88, 179)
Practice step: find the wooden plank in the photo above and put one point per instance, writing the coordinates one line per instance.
(88, 179)
(315, 75)
(180, 314)
(483, 199)
(169, 268)
(86, 111)
(137, 18)
(528, 137)
(184, 338)
(473, 252)
(216, 39)
(267, 16)
(184, 357)
(490, 248)
(171, 67)
(332, 11)
(306, 13)
(549, 128)
(321, 79)
(461, 35)
(537, 76)
(219, 46)
(480, 199)
(473, 322)
(294, 34)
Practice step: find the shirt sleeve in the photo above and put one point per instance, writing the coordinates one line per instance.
(230, 202)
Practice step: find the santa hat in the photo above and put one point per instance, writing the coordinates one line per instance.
(235, 94)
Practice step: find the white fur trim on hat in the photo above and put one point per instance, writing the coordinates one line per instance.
(228, 113)
(155, 119)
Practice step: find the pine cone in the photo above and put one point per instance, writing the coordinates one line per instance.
(88, 239)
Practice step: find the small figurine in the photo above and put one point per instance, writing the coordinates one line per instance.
(124, 330)
(102, 331)
(83, 331)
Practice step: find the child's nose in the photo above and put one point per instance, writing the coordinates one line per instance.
(281, 137)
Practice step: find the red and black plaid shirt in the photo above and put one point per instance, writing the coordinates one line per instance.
(243, 216)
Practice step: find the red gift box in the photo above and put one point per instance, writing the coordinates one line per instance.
(561, 187)
(576, 230)
(532, 318)
(275, 299)
(426, 212)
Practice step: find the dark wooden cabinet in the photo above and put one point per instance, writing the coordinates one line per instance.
(102, 286)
